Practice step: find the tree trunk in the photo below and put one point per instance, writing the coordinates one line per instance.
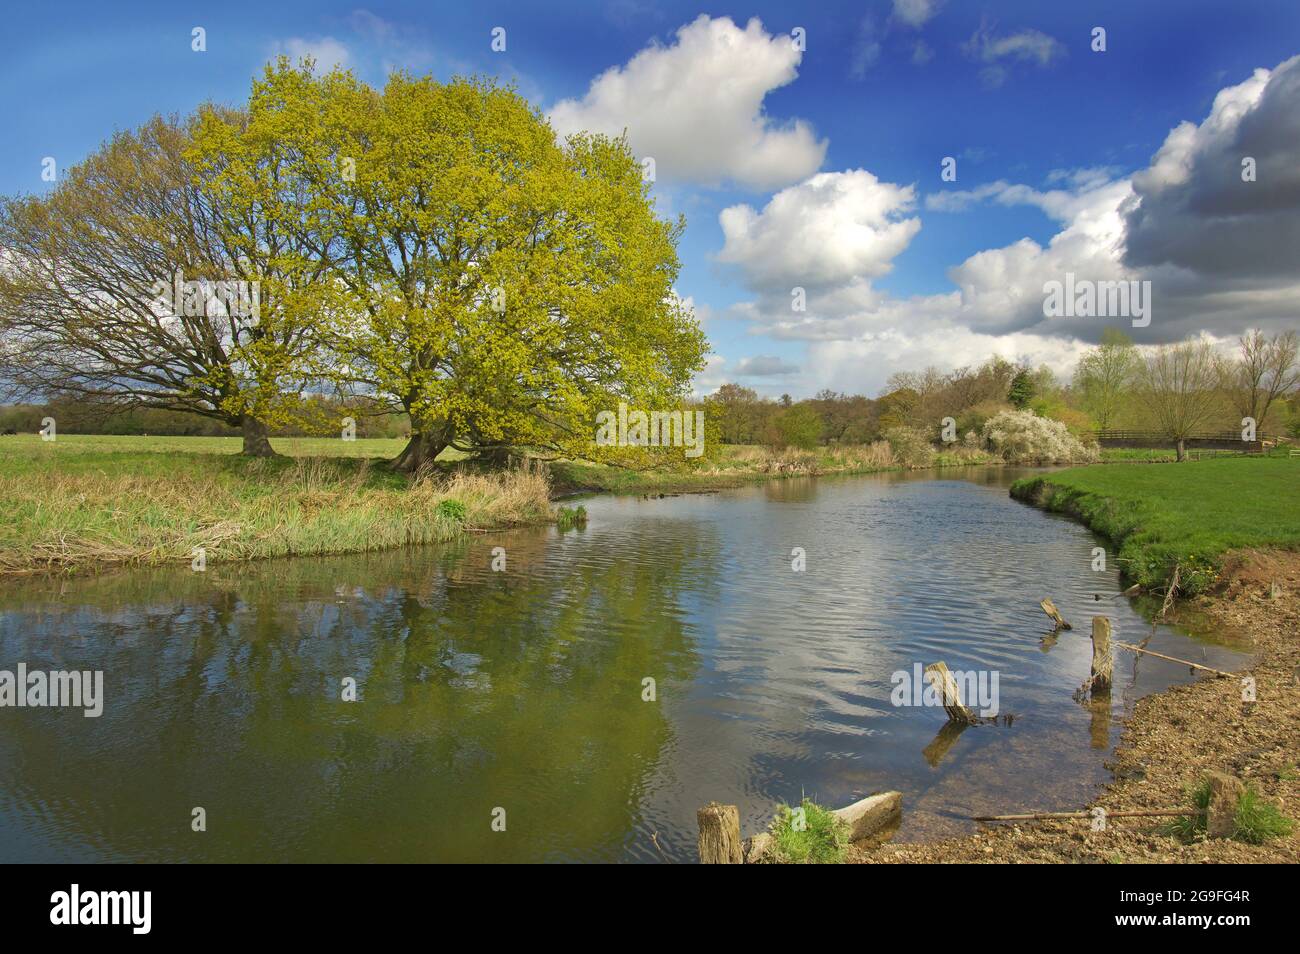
(1182, 449)
(257, 438)
(421, 450)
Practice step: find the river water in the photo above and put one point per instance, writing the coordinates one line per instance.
(517, 698)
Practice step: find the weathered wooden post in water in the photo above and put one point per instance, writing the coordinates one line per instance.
(719, 835)
(942, 680)
(1103, 661)
(1053, 613)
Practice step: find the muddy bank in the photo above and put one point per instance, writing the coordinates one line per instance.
(1171, 739)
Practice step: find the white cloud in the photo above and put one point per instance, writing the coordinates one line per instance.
(866, 48)
(1062, 205)
(326, 51)
(373, 47)
(696, 107)
(712, 377)
(996, 52)
(915, 12)
(864, 365)
(828, 231)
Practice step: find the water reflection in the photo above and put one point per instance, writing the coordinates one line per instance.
(523, 689)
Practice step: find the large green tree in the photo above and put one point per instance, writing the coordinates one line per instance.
(89, 282)
(505, 286)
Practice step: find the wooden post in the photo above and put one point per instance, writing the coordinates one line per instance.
(1054, 614)
(1102, 656)
(942, 680)
(1225, 796)
(719, 835)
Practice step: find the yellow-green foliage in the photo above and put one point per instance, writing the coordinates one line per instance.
(502, 284)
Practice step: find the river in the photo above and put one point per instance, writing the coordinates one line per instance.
(516, 698)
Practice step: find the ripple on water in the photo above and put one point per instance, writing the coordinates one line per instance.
(526, 689)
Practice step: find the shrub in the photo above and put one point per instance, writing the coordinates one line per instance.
(976, 416)
(1024, 437)
(797, 426)
(910, 447)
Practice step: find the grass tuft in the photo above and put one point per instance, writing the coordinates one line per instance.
(452, 510)
(1257, 819)
(569, 517)
(821, 839)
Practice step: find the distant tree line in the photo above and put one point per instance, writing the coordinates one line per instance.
(1174, 391)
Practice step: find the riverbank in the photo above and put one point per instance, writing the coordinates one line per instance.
(1173, 739)
(80, 509)
(1184, 516)
(1236, 523)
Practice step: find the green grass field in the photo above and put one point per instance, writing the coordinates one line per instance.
(1187, 514)
(1124, 455)
(80, 502)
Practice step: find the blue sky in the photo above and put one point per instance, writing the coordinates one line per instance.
(1053, 141)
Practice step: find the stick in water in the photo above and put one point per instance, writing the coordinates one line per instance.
(1185, 662)
(1046, 816)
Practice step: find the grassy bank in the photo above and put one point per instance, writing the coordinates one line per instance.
(733, 465)
(75, 504)
(1188, 515)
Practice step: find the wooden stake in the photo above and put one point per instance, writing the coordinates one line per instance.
(1185, 662)
(719, 835)
(1103, 659)
(942, 680)
(1053, 613)
(1221, 814)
